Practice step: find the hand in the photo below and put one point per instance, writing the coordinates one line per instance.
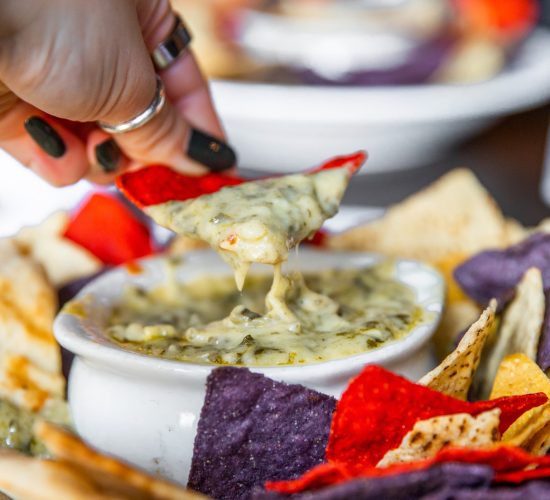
(71, 64)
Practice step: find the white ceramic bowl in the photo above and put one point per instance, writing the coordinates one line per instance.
(145, 409)
(284, 128)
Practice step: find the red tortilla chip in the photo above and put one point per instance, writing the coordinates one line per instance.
(509, 462)
(378, 408)
(157, 184)
(109, 230)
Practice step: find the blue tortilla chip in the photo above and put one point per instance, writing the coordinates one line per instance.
(531, 490)
(253, 429)
(417, 484)
(495, 273)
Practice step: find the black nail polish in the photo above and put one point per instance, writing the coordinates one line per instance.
(45, 136)
(107, 154)
(211, 152)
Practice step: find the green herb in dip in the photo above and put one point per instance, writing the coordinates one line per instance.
(257, 221)
(322, 316)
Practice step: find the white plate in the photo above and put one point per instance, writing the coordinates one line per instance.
(285, 128)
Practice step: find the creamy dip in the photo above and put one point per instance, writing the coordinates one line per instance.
(257, 221)
(322, 316)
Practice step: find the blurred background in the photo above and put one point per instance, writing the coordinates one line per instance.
(423, 85)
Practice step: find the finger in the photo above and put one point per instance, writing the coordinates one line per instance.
(185, 84)
(43, 144)
(106, 158)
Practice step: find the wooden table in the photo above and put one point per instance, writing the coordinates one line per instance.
(508, 160)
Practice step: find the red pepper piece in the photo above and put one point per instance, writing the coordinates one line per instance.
(109, 230)
(157, 184)
(378, 408)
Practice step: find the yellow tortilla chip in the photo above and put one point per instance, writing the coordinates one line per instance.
(108, 472)
(455, 374)
(429, 436)
(539, 444)
(517, 375)
(520, 327)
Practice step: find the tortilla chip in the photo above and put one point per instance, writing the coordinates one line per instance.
(520, 327)
(517, 374)
(62, 259)
(456, 318)
(118, 478)
(379, 407)
(496, 273)
(416, 484)
(455, 374)
(455, 215)
(427, 437)
(253, 429)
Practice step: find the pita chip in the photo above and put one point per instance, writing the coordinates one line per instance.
(429, 436)
(455, 374)
(109, 472)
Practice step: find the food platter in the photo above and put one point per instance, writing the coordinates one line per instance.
(351, 425)
(279, 128)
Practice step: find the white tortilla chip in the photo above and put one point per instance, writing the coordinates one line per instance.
(454, 215)
(455, 373)
(429, 436)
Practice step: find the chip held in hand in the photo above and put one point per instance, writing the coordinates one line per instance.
(158, 184)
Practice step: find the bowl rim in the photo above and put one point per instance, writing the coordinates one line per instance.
(273, 104)
(72, 331)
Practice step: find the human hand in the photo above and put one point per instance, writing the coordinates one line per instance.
(71, 64)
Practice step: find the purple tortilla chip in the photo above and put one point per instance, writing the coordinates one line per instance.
(417, 484)
(530, 490)
(253, 429)
(495, 273)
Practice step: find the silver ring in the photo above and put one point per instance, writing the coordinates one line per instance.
(170, 49)
(144, 117)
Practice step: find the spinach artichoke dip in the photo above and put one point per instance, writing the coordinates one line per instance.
(274, 320)
(257, 221)
(314, 318)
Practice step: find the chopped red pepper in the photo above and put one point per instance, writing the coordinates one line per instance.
(108, 229)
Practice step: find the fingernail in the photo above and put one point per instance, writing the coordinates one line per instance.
(211, 152)
(107, 154)
(45, 136)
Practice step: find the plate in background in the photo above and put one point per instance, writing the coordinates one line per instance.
(284, 128)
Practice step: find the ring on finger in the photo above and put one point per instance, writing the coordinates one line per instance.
(172, 47)
(142, 118)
